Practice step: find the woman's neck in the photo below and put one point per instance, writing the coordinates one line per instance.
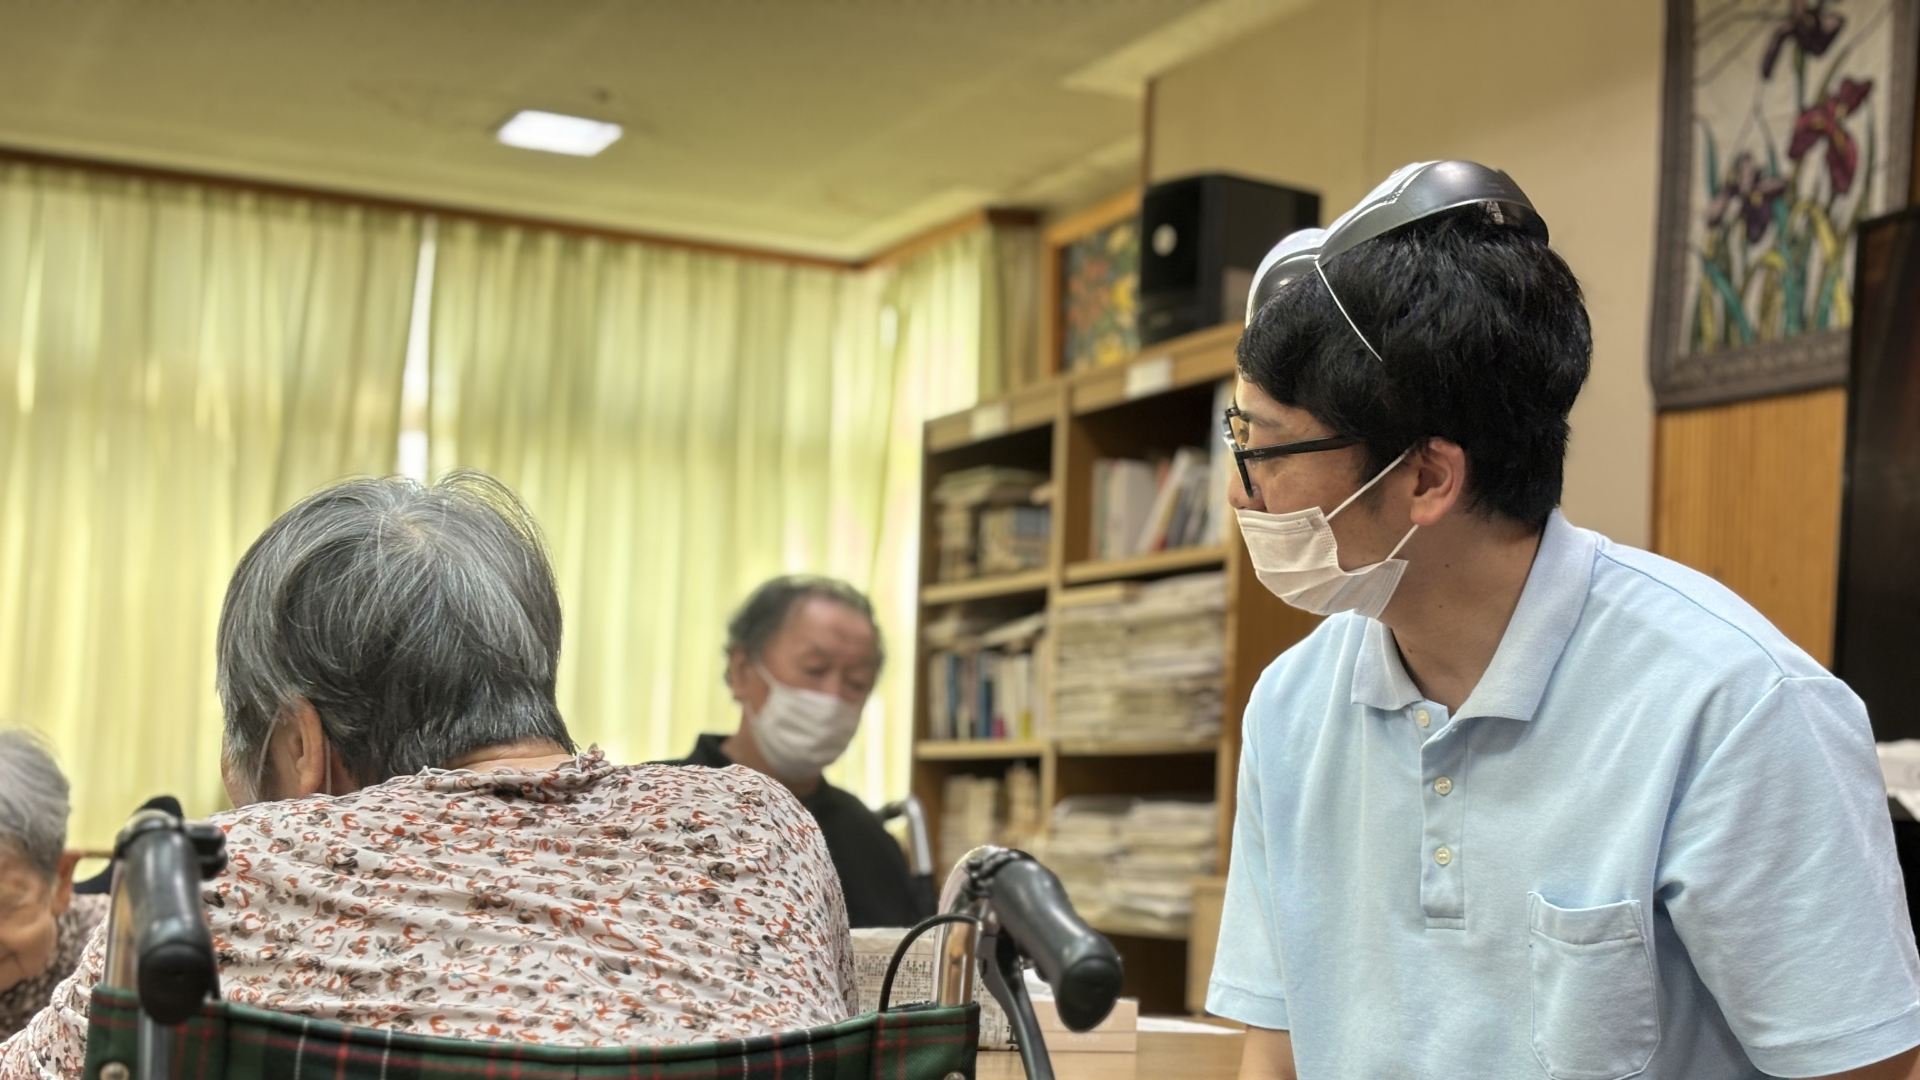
(530, 755)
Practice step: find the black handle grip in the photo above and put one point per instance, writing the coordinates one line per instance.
(162, 870)
(1079, 963)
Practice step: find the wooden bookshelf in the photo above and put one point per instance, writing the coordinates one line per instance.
(1176, 561)
(1134, 747)
(987, 588)
(978, 749)
(1162, 399)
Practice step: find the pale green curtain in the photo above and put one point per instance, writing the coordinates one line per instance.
(685, 425)
(178, 365)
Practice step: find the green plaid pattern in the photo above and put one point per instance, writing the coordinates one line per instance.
(236, 1042)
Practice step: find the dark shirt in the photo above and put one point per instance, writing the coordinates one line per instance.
(872, 868)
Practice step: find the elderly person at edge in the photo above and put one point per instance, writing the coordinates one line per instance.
(43, 925)
(803, 654)
(419, 847)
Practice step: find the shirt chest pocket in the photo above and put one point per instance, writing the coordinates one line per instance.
(1595, 1010)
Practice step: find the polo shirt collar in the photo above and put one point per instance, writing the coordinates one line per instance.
(1543, 621)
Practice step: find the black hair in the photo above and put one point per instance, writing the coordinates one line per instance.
(1483, 341)
(766, 611)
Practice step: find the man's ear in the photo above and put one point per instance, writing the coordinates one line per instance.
(1440, 480)
(63, 882)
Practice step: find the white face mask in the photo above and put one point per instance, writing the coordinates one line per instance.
(1295, 557)
(800, 732)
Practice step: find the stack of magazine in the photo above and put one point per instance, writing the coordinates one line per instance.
(1141, 661)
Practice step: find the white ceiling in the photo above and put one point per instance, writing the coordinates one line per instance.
(827, 127)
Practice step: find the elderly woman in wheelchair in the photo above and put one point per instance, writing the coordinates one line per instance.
(424, 878)
(418, 846)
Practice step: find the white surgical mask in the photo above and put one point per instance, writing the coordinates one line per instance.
(1295, 557)
(800, 732)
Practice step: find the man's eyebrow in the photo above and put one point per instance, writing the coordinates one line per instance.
(1255, 416)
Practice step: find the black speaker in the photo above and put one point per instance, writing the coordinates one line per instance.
(1201, 238)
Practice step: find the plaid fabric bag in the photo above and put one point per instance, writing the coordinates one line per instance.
(237, 1042)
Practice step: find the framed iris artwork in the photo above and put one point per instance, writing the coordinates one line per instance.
(1786, 124)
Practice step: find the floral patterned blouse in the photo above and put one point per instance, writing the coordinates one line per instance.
(585, 905)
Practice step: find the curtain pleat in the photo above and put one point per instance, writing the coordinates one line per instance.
(178, 365)
(686, 425)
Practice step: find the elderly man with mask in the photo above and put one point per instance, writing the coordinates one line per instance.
(43, 925)
(419, 846)
(803, 654)
(1529, 803)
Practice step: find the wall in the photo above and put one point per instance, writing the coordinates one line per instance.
(1564, 96)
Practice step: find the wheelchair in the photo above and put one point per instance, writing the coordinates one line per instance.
(157, 1014)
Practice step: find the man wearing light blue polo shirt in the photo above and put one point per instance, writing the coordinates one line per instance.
(1528, 804)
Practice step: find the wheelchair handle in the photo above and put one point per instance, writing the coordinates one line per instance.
(1018, 911)
(920, 848)
(1079, 963)
(158, 942)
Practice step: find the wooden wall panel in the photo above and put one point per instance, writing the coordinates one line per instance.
(1750, 494)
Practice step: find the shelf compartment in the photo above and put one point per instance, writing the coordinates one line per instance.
(1022, 410)
(977, 749)
(1120, 925)
(1077, 747)
(986, 588)
(1160, 562)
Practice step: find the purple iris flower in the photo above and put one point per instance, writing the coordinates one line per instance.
(1810, 25)
(1750, 192)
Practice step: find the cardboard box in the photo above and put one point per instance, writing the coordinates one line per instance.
(1118, 1033)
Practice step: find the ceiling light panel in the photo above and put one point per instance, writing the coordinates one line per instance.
(557, 133)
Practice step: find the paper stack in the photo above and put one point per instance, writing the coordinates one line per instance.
(1141, 661)
(913, 980)
(963, 498)
(1164, 844)
(972, 814)
(967, 817)
(1128, 862)
(1081, 845)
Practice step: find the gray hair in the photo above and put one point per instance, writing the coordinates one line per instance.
(33, 801)
(766, 611)
(421, 623)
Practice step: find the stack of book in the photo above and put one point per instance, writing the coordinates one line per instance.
(972, 813)
(1163, 845)
(1128, 862)
(990, 503)
(1140, 507)
(1083, 841)
(986, 682)
(1144, 506)
(1015, 538)
(1141, 661)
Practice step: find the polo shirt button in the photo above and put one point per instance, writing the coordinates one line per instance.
(1443, 785)
(1443, 856)
(1422, 718)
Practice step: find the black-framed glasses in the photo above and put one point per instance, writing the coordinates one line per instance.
(1235, 430)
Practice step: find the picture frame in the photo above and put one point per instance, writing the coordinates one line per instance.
(1065, 317)
(1785, 123)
